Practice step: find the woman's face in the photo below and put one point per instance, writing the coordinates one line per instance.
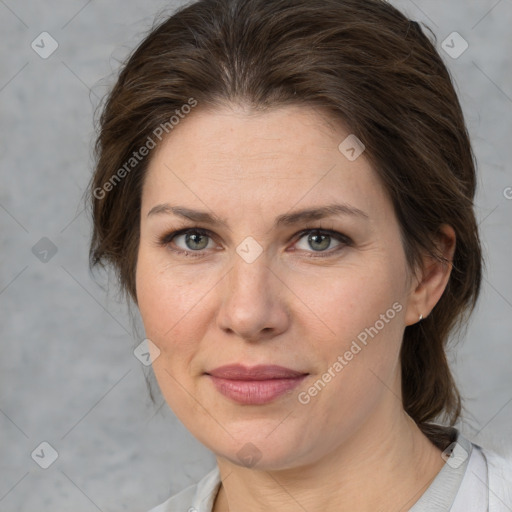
(255, 287)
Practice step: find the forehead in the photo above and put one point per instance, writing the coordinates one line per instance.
(236, 134)
(253, 160)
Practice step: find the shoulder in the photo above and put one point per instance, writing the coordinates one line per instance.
(499, 480)
(487, 482)
(198, 497)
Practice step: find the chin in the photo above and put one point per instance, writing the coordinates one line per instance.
(258, 452)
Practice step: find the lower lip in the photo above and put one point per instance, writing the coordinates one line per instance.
(255, 392)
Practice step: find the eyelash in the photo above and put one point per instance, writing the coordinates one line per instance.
(166, 240)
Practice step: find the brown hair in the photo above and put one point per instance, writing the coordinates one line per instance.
(363, 62)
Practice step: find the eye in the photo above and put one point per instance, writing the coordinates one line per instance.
(188, 241)
(194, 242)
(320, 240)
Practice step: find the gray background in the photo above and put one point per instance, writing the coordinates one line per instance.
(68, 375)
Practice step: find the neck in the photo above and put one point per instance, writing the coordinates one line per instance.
(384, 466)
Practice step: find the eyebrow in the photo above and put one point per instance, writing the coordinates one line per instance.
(287, 219)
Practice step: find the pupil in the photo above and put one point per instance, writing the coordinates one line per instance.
(194, 238)
(324, 238)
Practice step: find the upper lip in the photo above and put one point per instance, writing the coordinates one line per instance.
(259, 372)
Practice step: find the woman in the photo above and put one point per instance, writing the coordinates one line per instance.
(285, 189)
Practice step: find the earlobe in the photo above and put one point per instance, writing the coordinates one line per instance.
(432, 278)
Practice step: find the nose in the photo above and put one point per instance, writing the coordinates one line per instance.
(253, 301)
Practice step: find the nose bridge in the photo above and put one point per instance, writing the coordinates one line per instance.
(250, 260)
(249, 303)
(249, 279)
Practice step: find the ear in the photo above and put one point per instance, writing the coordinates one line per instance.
(428, 286)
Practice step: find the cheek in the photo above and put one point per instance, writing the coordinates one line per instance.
(166, 304)
(166, 295)
(161, 306)
(361, 308)
(348, 299)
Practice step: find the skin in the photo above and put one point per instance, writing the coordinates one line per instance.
(352, 447)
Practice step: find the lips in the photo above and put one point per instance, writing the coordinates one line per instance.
(257, 385)
(260, 372)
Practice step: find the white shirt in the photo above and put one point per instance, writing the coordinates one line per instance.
(472, 480)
